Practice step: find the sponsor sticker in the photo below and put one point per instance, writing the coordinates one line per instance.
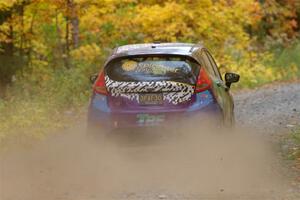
(150, 119)
(129, 65)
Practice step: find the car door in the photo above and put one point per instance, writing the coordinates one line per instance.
(220, 89)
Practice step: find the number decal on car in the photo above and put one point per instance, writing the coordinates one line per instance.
(149, 119)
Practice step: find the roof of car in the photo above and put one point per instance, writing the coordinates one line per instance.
(155, 49)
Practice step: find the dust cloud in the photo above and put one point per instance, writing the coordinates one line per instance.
(189, 162)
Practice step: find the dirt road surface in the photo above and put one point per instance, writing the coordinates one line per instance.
(191, 163)
(271, 109)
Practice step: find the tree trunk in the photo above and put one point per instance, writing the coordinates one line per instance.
(75, 31)
(67, 49)
(75, 24)
(9, 45)
(22, 31)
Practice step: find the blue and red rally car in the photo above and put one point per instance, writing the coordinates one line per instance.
(144, 85)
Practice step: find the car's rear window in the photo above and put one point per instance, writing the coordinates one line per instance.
(153, 68)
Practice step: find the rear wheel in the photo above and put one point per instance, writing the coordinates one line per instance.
(229, 121)
(95, 132)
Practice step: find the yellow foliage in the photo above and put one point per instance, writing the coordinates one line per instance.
(87, 53)
(218, 23)
(163, 23)
(6, 4)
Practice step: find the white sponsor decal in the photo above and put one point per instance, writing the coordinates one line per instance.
(174, 92)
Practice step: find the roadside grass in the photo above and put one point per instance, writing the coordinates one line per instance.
(261, 74)
(35, 107)
(290, 149)
(257, 69)
(294, 153)
(33, 118)
(288, 57)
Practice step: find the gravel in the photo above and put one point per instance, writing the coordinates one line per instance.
(270, 109)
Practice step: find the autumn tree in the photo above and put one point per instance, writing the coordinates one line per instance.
(45, 35)
(11, 38)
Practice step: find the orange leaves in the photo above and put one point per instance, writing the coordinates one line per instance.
(255, 12)
(293, 23)
(279, 18)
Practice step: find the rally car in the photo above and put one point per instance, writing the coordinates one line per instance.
(146, 85)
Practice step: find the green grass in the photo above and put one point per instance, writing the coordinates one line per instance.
(295, 151)
(288, 57)
(37, 105)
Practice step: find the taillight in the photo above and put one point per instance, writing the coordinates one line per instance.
(203, 81)
(99, 86)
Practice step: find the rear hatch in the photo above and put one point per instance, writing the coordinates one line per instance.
(151, 83)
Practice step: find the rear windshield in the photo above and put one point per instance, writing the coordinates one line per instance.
(153, 68)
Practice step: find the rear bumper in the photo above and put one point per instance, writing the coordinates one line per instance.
(100, 116)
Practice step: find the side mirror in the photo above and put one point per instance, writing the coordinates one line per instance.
(93, 78)
(231, 78)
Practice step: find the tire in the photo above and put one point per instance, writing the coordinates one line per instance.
(229, 122)
(95, 132)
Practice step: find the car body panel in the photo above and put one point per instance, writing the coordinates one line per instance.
(181, 49)
(101, 115)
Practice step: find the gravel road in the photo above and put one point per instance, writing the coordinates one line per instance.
(271, 109)
(193, 166)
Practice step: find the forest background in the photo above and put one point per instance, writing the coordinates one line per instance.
(49, 48)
